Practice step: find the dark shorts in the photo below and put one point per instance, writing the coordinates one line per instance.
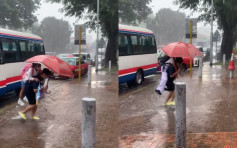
(30, 94)
(170, 86)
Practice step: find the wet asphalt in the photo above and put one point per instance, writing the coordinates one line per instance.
(61, 113)
(211, 107)
(211, 104)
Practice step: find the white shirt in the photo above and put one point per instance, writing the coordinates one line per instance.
(28, 76)
(171, 61)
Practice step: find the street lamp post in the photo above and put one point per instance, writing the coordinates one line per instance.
(211, 39)
(97, 39)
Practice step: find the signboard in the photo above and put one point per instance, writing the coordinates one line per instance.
(102, 43)
(194, 27)
(216, 36)
(83, 34)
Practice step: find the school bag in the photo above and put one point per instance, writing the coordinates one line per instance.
(25, 69)
(38, 95)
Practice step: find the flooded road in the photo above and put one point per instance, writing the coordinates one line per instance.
(60, 115)
(211, 105)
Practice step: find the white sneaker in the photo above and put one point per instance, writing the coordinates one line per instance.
(21, 103)
(25, 99)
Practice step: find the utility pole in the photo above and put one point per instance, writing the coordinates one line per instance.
(211, 39)
(97, 39)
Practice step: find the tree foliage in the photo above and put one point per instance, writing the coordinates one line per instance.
(168, 25)
(108, 18)
(18, 13)
(133, 11)
(55, 33)
(224, 12)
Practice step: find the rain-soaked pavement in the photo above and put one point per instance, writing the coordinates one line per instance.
(60, 115)
(211, 105)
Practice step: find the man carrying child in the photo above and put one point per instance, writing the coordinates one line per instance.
(31, 88)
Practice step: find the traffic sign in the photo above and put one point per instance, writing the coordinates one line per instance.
(216, 36)
(83, 34)
(194, 27)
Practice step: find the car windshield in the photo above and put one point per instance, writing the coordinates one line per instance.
(83, 55)
(70, 61)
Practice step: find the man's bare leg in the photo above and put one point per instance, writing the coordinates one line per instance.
(33, 111)
(169, 96)
(173, 97)
(28, 108)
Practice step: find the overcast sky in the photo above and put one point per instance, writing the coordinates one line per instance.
(156, 5)
(48, 9)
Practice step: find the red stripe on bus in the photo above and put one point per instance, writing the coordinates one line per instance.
(132, 70)
(3, 83)
(10, 80)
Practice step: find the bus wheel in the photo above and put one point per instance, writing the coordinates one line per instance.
(139, 77)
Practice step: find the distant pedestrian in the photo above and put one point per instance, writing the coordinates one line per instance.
(31, 88)
(27, 73)
(164, 77)
(172, 74)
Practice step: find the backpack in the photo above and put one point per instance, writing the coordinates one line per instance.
(38, 94)
(25, 69)
(163, 60)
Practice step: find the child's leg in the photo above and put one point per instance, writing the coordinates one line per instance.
(163, 81)
(20, 100)
(22, 93)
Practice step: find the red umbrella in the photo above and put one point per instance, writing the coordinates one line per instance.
(53, 63)
(180, 49)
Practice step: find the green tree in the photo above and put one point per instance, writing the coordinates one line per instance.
(16, 14)
(133, 11)
(55, 33)
(168, 25)
(108, 18)
(224, 12)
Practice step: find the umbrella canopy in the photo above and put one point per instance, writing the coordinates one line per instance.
(53, 63)
(180, 49)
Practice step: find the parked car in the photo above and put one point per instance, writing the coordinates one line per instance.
(64, 55)
(185, 65)
(86, 57)
(203, 50)
(50, 53)
(73, 62)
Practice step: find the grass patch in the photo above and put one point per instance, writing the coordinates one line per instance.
(235, 50)
(217, 63)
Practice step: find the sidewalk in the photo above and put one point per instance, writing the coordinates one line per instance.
(194, 140)
(211, 113)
